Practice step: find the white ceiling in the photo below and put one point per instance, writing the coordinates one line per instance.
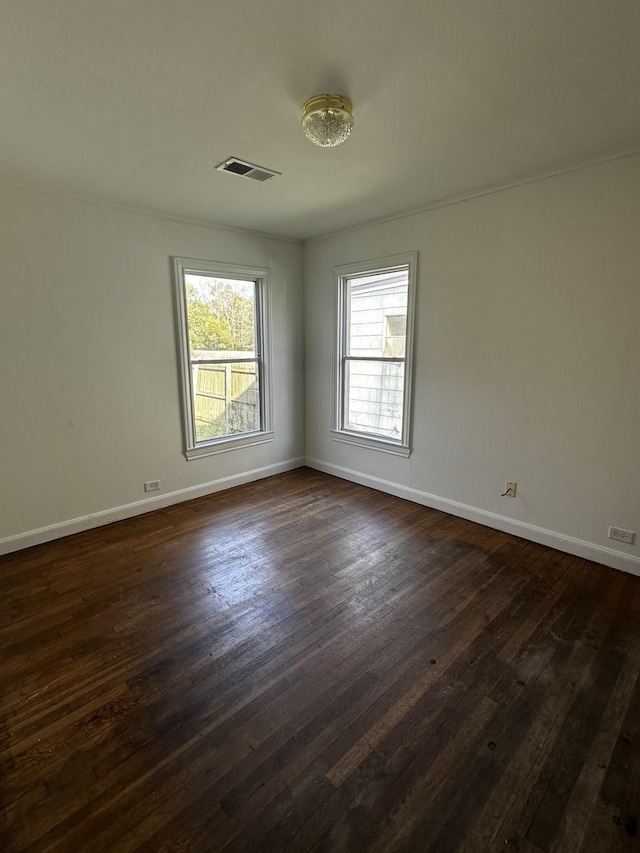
(135, 101)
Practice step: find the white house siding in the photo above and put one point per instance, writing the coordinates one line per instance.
(374, 390)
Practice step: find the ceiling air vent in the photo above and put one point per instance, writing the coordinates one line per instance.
(246, 170)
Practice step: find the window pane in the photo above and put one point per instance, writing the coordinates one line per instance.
(374, 393)
(225, 399)
(377, 314)
(221, 317)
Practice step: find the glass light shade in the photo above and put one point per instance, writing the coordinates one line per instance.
(327, 119)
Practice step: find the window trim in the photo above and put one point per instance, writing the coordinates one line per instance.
(343, 274)
(261, 277)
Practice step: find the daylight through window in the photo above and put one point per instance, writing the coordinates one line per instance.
(375, 307)
(222, 329)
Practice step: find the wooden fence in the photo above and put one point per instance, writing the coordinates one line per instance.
(225, 399)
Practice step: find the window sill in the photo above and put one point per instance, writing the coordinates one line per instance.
(223, 445)
(371, 442)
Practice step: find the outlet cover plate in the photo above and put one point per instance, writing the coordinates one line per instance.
(621, 535)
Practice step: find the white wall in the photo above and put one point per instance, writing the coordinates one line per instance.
(89, 395)
(527, 361)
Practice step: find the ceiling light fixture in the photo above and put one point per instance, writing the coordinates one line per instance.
(327, 119)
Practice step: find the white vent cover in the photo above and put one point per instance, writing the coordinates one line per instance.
(246, 170)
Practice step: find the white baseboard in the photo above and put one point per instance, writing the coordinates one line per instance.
(107, 516)
(577, 547)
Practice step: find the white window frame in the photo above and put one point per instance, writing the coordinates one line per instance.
(343, 275)
(260, 277)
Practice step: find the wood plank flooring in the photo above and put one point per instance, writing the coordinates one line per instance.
(304, 664)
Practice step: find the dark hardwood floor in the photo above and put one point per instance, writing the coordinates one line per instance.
(303, 664)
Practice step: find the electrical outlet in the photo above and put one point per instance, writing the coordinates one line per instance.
(621, 535)
(152, 486)
(510, 489)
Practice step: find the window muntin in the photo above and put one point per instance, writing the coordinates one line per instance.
(375, 309)
(222, 330)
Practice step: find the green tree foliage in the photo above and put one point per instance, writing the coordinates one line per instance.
(220, 318)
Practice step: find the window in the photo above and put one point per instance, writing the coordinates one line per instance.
(222, 333)
(373, 353)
